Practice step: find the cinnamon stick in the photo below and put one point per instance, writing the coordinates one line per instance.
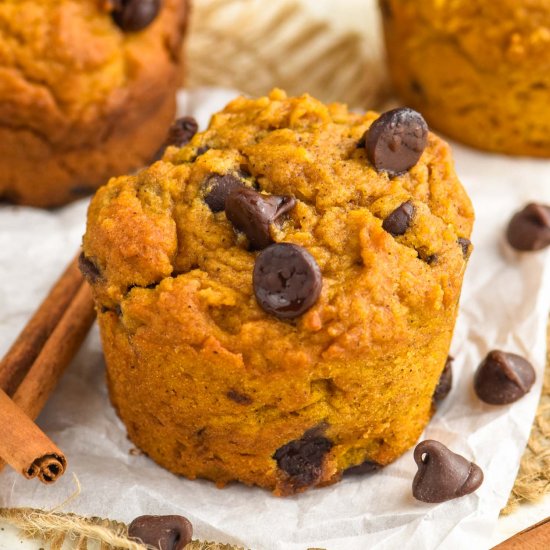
(32, 369)
(25, 447)
(15, 365)
(534, 537)
(59, 349)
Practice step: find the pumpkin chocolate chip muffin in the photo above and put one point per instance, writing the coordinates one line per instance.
(277, 297)
(87, 91)
(478, 71)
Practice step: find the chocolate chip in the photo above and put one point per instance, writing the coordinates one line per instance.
(396, 140)
(217, 188)
(10, 197)
(529, 229)
(287, 280)
(117, 310)
(416, 87)
(445, 381)
(202, 149)
(82, 190)
(503, 378)
(399, 220)
(465, 244)
(366, 467)
(239, 398)
(386, 9)
(431, 259)
(134, 15)
(302, 459)
(88, 269)
(443, 475)
(181, 131)
(253, 213)
(162, 532)
(244, 170)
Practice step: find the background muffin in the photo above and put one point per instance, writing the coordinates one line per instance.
(478, 71)
(87, 91)
(214, 380)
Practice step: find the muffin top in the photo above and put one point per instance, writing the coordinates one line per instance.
(491, 36)
(64, 63)
(161, 240)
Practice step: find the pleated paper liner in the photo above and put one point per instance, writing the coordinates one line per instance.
(254, 46)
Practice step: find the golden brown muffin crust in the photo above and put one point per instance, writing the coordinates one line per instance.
(479, 71)
(190, 328)
(73, 85)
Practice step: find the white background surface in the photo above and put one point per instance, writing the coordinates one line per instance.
(505, 305)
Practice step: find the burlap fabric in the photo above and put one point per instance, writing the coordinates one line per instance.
(255, 45)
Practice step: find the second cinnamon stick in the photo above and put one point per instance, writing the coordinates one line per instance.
(26, 348)
(59, 349)
(23, 445)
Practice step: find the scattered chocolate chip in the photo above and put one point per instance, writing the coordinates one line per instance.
(202, 149)
(88, 269)
(217, 188)
(529, 229)
(181, 131)
(399, 220)
(396, 140)
(162, 532)
(287, 280)
(465, 244)
(134, 15)
(445, 381)
(503, 378)
(443, 475)
(253, 213)
(302, 459)
(239, 398)
(366, 467)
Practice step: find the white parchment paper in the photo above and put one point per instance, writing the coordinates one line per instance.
(505, 304)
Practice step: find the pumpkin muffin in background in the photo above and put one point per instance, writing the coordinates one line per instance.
(478, 71)
(87, 91)
(277, 297)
